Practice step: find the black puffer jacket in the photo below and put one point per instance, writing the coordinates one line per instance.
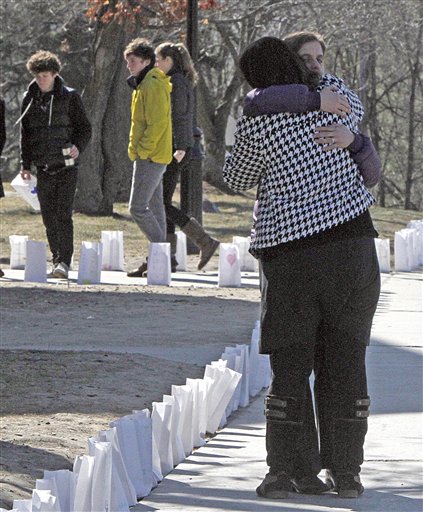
(182, 98)
(49, 123)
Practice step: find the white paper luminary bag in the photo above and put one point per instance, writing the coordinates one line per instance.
(113, 255)
(183, 395)
(158, 267)
(383, 254)
(18, 251)
(90, 257)
(181, 251)
(177, 446)
(229, 266)
(36, 262)
(162, 417)
(63, 487)
(83, 469)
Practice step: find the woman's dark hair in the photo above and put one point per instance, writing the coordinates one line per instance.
(181, 59)
(42, 61)
(270, 61)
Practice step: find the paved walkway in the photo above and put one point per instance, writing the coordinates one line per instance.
(222, 475)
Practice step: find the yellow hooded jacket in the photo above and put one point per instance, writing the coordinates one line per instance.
(151, 127)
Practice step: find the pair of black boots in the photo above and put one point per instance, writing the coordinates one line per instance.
(287, 452)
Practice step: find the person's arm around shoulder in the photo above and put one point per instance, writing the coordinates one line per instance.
(294, 98)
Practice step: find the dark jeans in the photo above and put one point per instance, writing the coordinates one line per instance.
(174, 216)
(317, 310)
(56, 194)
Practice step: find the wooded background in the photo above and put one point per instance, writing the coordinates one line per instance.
(374, 45)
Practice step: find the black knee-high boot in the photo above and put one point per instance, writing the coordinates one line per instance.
(348, 435)
(283, 428)
(284, 422)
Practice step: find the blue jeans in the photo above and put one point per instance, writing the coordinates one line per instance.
(146, 200)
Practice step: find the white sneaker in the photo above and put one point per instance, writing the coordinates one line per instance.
(53, 268)
(61, 271)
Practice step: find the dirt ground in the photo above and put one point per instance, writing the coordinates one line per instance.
(52, 401)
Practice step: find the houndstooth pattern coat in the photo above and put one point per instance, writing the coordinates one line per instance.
(302, 190)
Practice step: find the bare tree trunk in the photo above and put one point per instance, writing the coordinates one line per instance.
(368, 96)
(108, 108)
(213, 123)
(415, 77)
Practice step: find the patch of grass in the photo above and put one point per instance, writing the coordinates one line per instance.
(17, 218)
(234, 218)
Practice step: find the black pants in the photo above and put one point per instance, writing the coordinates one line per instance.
(317, 310)
(174, 216)
(56, 195)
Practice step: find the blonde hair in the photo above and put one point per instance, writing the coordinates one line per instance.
(181, 59)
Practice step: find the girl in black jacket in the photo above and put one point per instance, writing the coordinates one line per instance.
(174, 60)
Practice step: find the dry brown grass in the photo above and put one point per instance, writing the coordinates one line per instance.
(234, 218)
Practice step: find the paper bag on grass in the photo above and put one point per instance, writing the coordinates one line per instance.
(403, 250)
(181, 251)
(229, 266)
(112, 256)
(158, 266)
(89, 271)
(36, 262)
(247, 261)
(383, 254)
(17, 251)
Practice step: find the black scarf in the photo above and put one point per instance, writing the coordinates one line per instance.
(134, 81)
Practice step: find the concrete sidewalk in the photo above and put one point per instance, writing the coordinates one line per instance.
(223, 475)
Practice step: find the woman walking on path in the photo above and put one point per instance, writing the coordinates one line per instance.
(320, 271)
(175, 61)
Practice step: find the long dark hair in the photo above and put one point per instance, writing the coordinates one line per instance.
(181, 59)
(270, 61)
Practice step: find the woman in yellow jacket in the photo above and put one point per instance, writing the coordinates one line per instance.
(150, 141)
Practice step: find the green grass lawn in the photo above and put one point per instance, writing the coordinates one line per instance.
(234, 218)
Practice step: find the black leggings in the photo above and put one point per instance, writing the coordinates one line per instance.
(174, 216)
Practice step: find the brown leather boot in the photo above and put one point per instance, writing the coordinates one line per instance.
(141, 271)
(207, 245)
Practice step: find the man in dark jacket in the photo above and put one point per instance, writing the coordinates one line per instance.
(54, 131)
